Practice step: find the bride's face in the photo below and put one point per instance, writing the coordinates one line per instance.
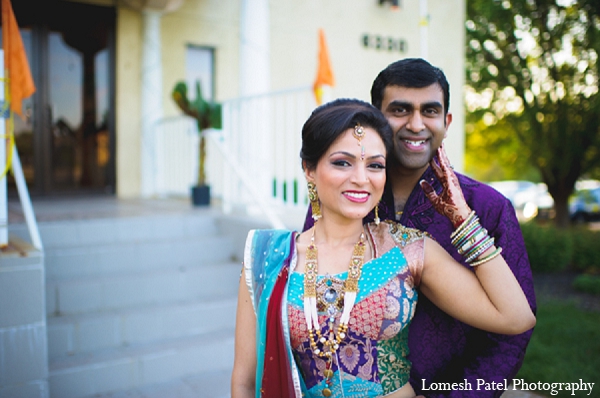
(350, 177)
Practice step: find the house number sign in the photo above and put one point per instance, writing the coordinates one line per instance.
(382, 43)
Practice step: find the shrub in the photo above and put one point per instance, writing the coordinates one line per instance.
(587, 284)
(586, 250)
(549, 249)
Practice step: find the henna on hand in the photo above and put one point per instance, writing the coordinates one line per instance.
(450, 202)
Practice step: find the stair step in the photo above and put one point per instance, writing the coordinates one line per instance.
(113, 292)
(77, 334)
(85, 232)
(128, 368)
(118, 258)
(213, 384)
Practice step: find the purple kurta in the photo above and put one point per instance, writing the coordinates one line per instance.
(442, 349)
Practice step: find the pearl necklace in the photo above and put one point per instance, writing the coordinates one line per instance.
(330, 343)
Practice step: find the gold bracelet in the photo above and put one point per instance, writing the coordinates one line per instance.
(486, 259)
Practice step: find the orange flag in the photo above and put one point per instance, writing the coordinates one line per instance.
(324, 71)
(15, 60)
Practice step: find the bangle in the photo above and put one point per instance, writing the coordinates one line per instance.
(459, 240)
(486, 259)
(474, 242)
(463, 225)
(482, 242)
(471, 240)
(479, 250)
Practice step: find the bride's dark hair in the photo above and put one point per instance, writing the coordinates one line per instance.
(329, 121)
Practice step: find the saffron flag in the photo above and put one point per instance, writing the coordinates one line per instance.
(324, 71)
(15, 60)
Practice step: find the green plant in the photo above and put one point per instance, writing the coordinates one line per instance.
(207, 115)
(586, 250)
(549, 248)
(587, 284)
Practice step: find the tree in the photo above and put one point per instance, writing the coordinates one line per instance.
(494, 153)
(533, 68)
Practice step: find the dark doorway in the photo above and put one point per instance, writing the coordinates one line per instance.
(66, 138)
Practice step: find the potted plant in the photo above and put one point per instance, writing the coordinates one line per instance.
(207, 115)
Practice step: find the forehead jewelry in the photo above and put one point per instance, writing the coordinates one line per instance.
(359, 133)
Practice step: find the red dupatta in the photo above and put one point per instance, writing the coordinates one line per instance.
(276, 380)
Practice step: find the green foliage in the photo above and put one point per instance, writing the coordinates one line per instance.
(549, 249)
(495, 154)
(587, 284)
(594, 174)
(208, 114)
(564, 347)
(586, 250)
(532, 89)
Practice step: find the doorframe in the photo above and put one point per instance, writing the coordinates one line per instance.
(36, 14)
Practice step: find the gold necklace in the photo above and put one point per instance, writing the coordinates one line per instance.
(330, 343)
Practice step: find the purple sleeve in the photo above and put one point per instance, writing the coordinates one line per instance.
(488, 357)
(308, 222)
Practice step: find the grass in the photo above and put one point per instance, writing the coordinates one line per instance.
(565, 347)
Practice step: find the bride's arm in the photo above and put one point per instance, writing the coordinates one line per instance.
(244, 366)
(490, 298)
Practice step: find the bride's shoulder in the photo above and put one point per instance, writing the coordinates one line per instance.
(401, 234)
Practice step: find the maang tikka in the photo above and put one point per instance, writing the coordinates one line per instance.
(313, 197)
(359, 133)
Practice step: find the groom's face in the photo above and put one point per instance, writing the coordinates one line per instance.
(418, 121)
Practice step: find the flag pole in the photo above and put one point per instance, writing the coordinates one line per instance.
(3, 142)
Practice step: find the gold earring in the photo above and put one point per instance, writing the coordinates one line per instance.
(377, 220)
(314, 201)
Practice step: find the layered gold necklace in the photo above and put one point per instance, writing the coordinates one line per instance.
(329, 301)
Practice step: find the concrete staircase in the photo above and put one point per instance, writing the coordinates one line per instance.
(135, 301)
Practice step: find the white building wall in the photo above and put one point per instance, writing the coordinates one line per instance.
(293, 61)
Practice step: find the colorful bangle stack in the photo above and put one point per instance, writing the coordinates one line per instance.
(472, 240)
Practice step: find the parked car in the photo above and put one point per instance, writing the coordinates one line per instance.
(529, 199)
(584, 204)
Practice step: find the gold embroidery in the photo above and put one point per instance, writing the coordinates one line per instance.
(403, 235)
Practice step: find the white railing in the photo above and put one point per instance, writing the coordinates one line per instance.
(175, 156)
(17, 170)
(253, 163)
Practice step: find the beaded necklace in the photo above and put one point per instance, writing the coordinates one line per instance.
(330, 342)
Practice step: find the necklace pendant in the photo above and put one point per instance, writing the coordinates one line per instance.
(331, 311)
(330, 295)
(326, 392)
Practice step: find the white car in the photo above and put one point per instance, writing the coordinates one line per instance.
(529, 199)
(584, 204)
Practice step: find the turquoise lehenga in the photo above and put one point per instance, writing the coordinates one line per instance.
(371, 360)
